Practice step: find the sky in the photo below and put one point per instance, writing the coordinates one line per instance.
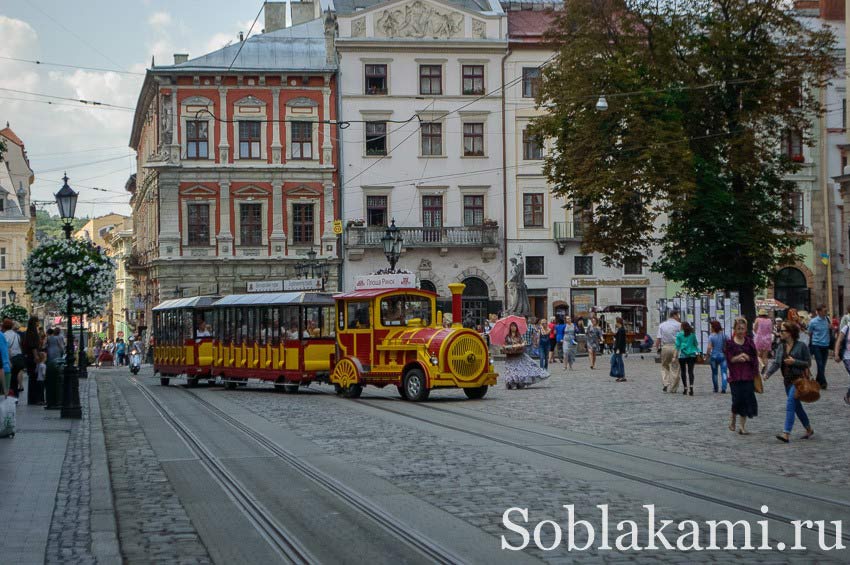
(90, 143)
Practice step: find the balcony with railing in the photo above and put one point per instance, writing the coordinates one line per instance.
(485, 238)
(135, 262)
(566, 232)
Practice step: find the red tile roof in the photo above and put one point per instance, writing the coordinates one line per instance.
(528, 24)
(10, 135)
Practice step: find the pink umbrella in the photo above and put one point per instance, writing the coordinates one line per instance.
(500, 329)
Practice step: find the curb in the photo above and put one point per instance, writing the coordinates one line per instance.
(104, 530)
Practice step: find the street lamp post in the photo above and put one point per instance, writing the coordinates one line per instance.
(13, 296)
(393, 243)
(66, 200)
(312, 268)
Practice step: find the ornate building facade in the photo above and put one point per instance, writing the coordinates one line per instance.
(17, 218)
(420, 84)
(237, 172)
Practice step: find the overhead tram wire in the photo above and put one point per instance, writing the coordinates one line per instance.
(80, 100)
(242, 43)
(99, 69)
(75, 106)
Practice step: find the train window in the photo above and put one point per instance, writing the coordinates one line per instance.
(318, 321)
(186, 326)
(227, 329)
(274, 324)
(203, 325)
(340, 314)
(400, 309)
(289, 322)
(359, 315)
(251, 334)
(240, 323)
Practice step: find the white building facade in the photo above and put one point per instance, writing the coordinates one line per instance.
(420, 84)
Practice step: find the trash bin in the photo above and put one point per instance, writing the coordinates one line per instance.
(53, 381)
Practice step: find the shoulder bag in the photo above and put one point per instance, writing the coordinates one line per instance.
(807, 389)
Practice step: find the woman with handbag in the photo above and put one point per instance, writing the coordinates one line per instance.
(743, 363)
(618, 370)
(520, 370)
(796, 361)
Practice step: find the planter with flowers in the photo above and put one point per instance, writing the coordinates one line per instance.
(14, 312)
(78, 267)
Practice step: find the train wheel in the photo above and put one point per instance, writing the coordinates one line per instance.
(401, 392)
(230, 385)
(414, 386)
(291, 389)
(192, 382)
(163, 381)
(353, 391)
(475, 393)
(337, 389)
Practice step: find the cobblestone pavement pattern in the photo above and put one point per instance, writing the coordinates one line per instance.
(469, 481)
(153, 526)
(69, 540)
(639, 413)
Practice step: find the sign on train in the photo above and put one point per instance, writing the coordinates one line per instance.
(395, 280)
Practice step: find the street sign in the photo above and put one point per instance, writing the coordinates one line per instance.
(338, 227)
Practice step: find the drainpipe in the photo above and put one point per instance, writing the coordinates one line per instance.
(825, 189)
(340, 168)
(505, 185)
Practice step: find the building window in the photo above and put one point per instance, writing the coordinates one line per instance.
(198, 224)
(376, 79)
(249, 140)
(2, 298)
(302, 140)
(2, 258)
(473, 140)
(250, 224)
(532, 210)
(432, 217)
(430, 79)
(534, 265)
(584, 265)
(795, 208)
(376, 211)
(792, 145)
(2, 204)
(633, 266)
(197, 139)
(530, 82)
(302, 224)
(432, 138)
(532, 149)
(473, 79)
(376, 138)
(473, 210)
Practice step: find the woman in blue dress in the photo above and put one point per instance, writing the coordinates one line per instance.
(520, 370)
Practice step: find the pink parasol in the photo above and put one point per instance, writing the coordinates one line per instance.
(500, 329)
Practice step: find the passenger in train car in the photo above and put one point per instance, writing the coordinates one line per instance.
(203, 330)
(312, 329)
(292, 333)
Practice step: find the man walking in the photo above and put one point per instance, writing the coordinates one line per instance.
(819, 329)
(666, 341)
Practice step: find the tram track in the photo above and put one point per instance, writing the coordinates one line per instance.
(278, 537)
(805, 498)
(430, 549)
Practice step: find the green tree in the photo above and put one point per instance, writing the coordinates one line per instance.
(48, 226)
(687, 157)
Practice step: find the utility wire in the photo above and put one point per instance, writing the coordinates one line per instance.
(100, 69)
(242, 43)
(80, 100)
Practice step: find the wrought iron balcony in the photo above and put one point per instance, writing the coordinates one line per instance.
(466, 236)
(135, 262)
(565, 232)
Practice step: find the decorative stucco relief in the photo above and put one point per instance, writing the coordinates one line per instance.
(418, 19)
(358, 27)
(479, 29)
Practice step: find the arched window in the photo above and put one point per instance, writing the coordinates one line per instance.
(427, 285)
(475, 300)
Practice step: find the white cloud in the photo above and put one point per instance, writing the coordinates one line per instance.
(18, 36)
(160, 19)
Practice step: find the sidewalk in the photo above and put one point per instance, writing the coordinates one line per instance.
(56, 500)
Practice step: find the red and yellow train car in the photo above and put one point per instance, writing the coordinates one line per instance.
(395, 337)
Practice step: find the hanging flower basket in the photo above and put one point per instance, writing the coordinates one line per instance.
(76, 266)
(15, 312)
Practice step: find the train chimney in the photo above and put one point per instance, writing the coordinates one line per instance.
(456, 290)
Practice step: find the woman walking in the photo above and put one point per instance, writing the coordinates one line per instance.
(543, 346)
(31, 346)
(763, 330)
(560, 327)
(520, 370)
(717, 355)
(618, 370)
(570, 343)
(16, 357)
(742, 358)
(842, 342)
(795, 361)
(687, 347)
(594, 339)
(552, 343)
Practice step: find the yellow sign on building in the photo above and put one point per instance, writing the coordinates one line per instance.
(338, 227)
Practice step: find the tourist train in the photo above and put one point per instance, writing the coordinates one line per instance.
(380, 337)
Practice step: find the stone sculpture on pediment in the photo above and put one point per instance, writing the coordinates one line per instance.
(166, 119)
(419, 20)
(479, 29)
(358, 27)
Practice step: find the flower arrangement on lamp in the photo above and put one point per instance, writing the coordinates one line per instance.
(14, 312)
(72, 265)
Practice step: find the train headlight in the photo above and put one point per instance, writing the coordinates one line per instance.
(434, 360)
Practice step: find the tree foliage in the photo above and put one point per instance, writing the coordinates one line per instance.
(687, 157)
(50, 227)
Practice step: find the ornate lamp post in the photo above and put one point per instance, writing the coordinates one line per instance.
(66, 200)
(13, 296)
(312, 268)
(393, 243)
